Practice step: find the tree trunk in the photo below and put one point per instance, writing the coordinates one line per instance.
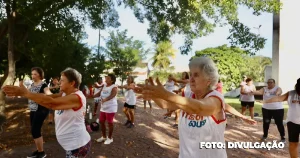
(10, 12)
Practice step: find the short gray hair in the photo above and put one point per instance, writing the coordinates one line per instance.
(208, 68)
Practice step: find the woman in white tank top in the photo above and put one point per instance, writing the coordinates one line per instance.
(202, 119)
(130, 102)
(109, 107)
(247, 97)
(170, 86)
(184, 88)
(293, 116)
(272, 110)
(70, 107)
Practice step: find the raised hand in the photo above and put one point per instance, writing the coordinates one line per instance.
(154, 91)
(15, 91)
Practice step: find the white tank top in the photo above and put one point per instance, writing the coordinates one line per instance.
(130, 97)
(270, 93)
(246, 97)
(96, 91)
(187, 92)
(293, 114)
(110, 106)
(170, 86)
(70, 127)
(194, 129)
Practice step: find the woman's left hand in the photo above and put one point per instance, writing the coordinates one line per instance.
(151, 90)
(249, 121)
(15, 91)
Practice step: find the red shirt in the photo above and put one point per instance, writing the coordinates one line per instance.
(219, 87)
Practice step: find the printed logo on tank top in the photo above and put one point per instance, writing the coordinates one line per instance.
(195, 120)
(59, 112)
(105, 91)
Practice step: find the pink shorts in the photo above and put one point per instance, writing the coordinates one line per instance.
(109, 117)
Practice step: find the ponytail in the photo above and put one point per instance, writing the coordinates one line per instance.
(297, 87)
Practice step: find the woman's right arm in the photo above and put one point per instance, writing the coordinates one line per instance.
(259, 92)
(164, 104)
(242, 90)
(180, 81)
(278, 98)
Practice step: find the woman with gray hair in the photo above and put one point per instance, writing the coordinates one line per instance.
(202, 117)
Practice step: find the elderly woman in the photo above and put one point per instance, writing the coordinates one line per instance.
(202, 117)
(69, 109)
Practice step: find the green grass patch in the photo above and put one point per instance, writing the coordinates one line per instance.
(234, 102)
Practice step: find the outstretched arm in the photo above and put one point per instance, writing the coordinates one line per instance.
(259, 92)
(233, 111)
(278, 98)
(60, 103)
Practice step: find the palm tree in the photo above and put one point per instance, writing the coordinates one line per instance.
(163, 52)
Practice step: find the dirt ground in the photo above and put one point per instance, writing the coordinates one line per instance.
(153, 136)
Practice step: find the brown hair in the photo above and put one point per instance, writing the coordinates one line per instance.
(112, 77)
(248, 80)
(72, 75)
(187, 76)
(39, 70)
(132, 79)
(56, 77)
(297, 86)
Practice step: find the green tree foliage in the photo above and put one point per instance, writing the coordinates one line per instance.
(124, 53)
(233, 62)
(229, 61)
(95, 67)
(195, 19)
(162, 74)
(21, 21)
(163, 52)
(255, 67)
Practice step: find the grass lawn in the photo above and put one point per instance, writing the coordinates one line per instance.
(234, 102)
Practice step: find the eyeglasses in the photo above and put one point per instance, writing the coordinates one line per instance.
(270, 82)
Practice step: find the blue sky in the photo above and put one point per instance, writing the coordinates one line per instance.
(219, 37)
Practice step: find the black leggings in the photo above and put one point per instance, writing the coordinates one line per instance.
(277, 115)
(36, 120)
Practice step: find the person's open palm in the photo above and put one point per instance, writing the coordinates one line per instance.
(249, 121)
(154, 90)
(15, 90)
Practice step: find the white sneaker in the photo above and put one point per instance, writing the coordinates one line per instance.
(102, 139)
(108, 141)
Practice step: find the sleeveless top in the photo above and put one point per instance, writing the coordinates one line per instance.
(293, 114)
(130, 97)
(70, 128)
(187, 92)
(33, 106)
(110, 106)
(170, 86)
(194, 129)
(270, 93)
(96, 91)
(246, 97)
